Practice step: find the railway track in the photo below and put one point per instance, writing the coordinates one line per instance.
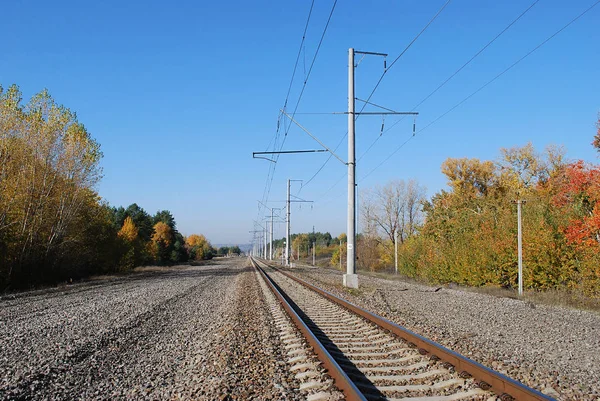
(370, 358)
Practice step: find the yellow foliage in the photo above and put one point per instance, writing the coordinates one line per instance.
(469, 177)
(48, 165)
(129, 231)
(195, 240)
(162, 232)
(198, 246)
(337, 253)
(301, 242)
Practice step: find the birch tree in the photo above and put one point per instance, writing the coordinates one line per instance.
(395, 208)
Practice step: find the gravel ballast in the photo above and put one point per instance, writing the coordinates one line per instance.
(552, 349)
(184, 332)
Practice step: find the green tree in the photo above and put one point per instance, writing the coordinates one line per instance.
(166, 217)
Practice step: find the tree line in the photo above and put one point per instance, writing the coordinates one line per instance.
(301, 244)
(53, 224)
(468, 233)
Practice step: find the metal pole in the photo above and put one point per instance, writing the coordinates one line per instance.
(314, 246)
(520, 240)
(265, 250)
(271, 238)
(396, 251)
(357, 221)
(350, 278)
(287, 227)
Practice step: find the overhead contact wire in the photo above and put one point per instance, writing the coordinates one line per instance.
(487, 83)
(379, 82)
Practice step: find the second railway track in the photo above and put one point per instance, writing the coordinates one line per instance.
(371, 362)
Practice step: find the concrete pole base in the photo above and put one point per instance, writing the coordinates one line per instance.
(351, 280)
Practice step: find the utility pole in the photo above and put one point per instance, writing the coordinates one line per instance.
(396, 251)
(519, 203)
(259, 251)
(270, 252)
(357, 229)
(314, 250)
(265, 248)
(287, 226)
(350, 278)
(271, 238)
(255, 244)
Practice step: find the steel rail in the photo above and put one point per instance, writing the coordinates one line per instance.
(507, 388)
(341, 380)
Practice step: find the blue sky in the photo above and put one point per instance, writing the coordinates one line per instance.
(179, 94)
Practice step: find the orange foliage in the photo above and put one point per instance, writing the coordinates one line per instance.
(581, 190)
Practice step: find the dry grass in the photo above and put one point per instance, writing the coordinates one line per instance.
(148, 269)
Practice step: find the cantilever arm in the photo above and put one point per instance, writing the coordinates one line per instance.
(313, 137)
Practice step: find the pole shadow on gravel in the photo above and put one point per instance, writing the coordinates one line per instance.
(360, 380)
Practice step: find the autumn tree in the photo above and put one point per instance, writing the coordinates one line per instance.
(470, 230)
(596, 141)
(53, 224)
(162, 242)
(198, 247)
(300, 242)
(339, 252)
(470, 178)
(129, 231)
(129, 235)
(395, 209)
(49, 167)
(389, 212)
